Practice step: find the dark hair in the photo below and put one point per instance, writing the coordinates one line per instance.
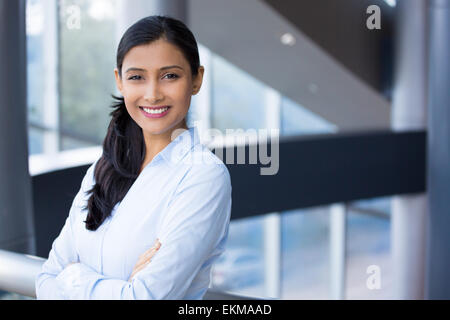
(124, 146)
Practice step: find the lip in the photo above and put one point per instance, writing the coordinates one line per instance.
(156, 107)
(160, 115)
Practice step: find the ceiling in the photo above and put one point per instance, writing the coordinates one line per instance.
(247, 34)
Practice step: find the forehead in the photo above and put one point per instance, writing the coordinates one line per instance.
(151, 56)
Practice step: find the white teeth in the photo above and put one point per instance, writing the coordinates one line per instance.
(155, 111)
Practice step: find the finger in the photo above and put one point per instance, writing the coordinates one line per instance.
(139, 265)
(156, 245)
(148, 251)
(139, 268)
(151, 252)
(146, 257)
(135, 270)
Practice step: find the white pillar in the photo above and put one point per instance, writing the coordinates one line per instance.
(272, 255)
(409, 113)
(51, 93)
(272, 222)
(129, 13)
(338, 231)
(408, 224)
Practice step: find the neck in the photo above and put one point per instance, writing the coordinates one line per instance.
(154, 143)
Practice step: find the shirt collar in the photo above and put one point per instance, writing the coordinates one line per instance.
(175, 151)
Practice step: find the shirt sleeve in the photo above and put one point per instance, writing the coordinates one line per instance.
(194, 225)
(63, 250)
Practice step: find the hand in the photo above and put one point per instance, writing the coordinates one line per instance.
(145, 258)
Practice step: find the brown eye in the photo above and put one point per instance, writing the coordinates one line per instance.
(172, 74)
(135, 78)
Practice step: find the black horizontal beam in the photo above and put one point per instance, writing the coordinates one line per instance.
(325, 169)
(313, 171)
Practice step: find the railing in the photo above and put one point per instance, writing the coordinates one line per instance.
(18, 272)
(364, 166)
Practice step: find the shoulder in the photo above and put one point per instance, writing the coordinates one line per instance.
(202, 162)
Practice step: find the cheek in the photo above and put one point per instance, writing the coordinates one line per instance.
(184, 98)
(131, 105)
(130, 93)
(132, 112)
(181, 90)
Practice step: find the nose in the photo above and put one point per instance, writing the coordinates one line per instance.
(153, 92)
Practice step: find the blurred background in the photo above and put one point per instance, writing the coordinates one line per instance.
(358, 90)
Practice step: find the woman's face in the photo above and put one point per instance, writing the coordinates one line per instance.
(156, 76)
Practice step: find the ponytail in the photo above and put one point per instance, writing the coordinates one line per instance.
(118, 167)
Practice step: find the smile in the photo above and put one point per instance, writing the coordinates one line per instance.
(154, 113)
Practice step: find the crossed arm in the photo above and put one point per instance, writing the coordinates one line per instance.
(144, 259)
(187, 241)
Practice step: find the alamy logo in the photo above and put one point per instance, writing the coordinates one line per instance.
(374, 280)
(258, 147)
(374, 20)
(74, 17)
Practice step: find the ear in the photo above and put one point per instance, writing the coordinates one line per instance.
(118, 81)
(198, 80)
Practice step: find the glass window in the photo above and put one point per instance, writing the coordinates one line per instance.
(305, 253)
(380, 205)
(240, 269)
(237, 98)
(88, 49)
(69, 143)
(368, 244)
(35, 141)
(297, 120)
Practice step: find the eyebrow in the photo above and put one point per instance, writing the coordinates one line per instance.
(163, 68)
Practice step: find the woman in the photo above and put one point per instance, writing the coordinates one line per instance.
(150, 218)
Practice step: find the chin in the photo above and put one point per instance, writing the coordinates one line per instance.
(155, 130)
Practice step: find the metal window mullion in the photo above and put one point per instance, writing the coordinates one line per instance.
(51, 116)
(272, 222)
(272, 255)
(338, 232)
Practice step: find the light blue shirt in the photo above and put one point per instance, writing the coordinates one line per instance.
(182, 197)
